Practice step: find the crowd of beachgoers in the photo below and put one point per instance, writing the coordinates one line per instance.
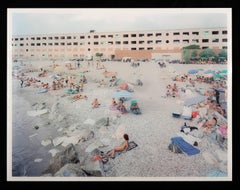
(176, 117)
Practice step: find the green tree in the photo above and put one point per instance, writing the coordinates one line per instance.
(207, 53)
(194, 53)
(192, 47)
(186, 55)
(99, 54)
(223, 53)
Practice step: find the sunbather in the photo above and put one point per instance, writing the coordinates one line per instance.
(120, 148)
(209, 125)
(121, 107)
(78, 97)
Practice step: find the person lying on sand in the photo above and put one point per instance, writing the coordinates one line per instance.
(209, 125)
(78, 97)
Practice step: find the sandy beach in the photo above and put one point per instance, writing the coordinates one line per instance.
(151, 131)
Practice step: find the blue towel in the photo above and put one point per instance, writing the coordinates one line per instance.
(184, 146)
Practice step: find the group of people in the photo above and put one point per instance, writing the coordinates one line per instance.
(172, 91)
(134, 108)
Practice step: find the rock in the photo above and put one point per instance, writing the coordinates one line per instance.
(89, 122)
(53, 151)
(94, 146)
(36, 127)
(70, 170)
(38, 160)
(93, 168)
(46, 142)
(102, 122)
(68, 155)
(58, 140)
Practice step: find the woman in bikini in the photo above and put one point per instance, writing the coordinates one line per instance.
(120, 148)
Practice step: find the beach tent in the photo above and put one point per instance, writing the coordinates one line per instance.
(195, 100)
(122, 94)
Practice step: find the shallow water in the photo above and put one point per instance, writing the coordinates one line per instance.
(26, 140)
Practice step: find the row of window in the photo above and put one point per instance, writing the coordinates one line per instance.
(120, 42)
(118, 35)
(135, 48)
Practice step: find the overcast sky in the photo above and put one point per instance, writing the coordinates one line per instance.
(52, 21)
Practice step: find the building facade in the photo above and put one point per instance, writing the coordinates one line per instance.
(157, 44)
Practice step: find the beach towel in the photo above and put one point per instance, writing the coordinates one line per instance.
(131, 145)
(184, 146)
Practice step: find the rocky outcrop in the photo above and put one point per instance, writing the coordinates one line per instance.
(68, 155)
(70, 170)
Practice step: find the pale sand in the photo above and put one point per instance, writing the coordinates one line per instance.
(152, 130)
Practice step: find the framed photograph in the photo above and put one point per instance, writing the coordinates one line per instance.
(119, 94)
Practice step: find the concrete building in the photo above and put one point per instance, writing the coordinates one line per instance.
(158, 44)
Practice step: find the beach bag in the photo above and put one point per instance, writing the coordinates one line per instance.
(174, 148)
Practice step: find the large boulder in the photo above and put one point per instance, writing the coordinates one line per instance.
(68, 155)
(93, 168)
(70, 170)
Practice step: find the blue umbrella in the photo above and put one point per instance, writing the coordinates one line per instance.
(209, 71)
(195, 100)
(122, 94)
(193, 71)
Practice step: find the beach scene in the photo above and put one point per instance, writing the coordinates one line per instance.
(99, 117)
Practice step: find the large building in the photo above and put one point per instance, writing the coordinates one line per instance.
(155, 44)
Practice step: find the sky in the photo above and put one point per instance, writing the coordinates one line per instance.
(54, 21)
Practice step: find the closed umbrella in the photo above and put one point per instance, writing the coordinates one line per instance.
(122, 94)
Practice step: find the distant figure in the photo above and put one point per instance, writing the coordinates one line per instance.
(22, 81)
(95, 103)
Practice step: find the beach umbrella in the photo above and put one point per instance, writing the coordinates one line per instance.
(133, 102)
(122, 94)
(209, 71)
(195, 100)
(193, 71)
